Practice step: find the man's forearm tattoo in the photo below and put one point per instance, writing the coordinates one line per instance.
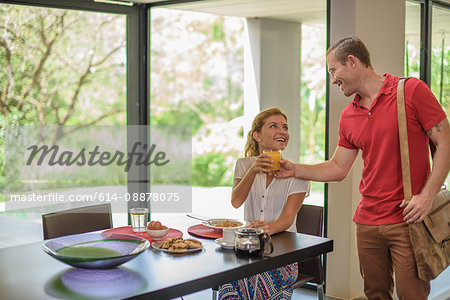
(438, 129)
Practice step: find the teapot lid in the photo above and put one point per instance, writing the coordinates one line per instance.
(249, 231)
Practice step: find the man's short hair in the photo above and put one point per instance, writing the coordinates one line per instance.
(350, 45)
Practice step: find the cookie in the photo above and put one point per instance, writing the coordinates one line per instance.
(193, 245)
(193, 240)
(166, 245)
(180, 245)
(177, 250)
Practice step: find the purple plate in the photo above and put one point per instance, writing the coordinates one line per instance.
(101, 250)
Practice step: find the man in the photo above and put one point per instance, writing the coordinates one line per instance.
(369, 124)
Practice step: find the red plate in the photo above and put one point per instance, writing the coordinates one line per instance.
(173, 233)
(203, 231)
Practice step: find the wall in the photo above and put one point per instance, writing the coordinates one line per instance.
(272, 74)
(380, 24)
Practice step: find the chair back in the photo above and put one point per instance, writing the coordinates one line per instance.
(310, 221)
(77, 220)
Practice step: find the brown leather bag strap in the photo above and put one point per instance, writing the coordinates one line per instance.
(403, 139)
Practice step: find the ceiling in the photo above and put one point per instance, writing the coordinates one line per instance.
(303, 11)
(306, 11)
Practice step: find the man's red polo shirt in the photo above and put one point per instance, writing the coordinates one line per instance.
(375, 132)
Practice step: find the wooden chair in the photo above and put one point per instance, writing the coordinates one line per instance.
(77, 220)
(310, 221)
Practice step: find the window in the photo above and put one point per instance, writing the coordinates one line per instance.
(313, 103)
(197, 81)
(439, 53)
(412, 39)
(440, 56)
(61, 67)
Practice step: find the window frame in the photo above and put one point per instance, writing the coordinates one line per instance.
(426, 19)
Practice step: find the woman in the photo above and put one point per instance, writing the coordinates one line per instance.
(269, 203)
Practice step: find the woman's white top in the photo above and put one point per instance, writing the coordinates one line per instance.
(266, 204)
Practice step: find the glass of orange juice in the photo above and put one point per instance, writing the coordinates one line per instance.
(275, 155)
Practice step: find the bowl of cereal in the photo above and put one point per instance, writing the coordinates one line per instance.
(220, 223)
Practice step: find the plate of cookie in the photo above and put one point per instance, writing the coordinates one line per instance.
(178, 245)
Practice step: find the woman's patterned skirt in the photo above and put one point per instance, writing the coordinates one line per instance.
(275, 284)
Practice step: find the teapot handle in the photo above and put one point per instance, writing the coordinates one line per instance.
(263, 238)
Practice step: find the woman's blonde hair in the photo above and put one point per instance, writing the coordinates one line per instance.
(251, 147)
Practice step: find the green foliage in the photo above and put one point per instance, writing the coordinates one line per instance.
(241, 132)
(218, 33)
(440, 76)
(178, 115)
(312, 126)
(220, 110)
(73, 63)
(175, 172)
(210, 170)
(60, 67)
(198, 84)
(207, 83)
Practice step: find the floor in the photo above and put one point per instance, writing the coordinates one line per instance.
(16, 232)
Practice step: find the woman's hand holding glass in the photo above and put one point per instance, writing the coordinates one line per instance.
(263, 163)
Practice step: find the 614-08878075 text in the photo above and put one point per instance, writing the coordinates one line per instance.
(162, 197)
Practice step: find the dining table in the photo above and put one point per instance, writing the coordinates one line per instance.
(27, 272)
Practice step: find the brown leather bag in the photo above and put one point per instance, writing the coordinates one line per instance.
(431, 237)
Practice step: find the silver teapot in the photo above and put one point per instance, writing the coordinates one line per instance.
(252, 242)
